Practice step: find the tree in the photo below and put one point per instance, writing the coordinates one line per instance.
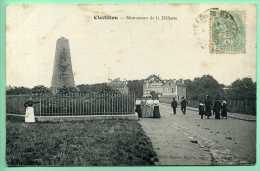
(18, 90)
(136, 87)
(67, 90)
(242, 89)
(201, 86)
(40, 89)
(100, 88)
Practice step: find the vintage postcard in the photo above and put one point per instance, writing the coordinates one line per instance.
(130, 84)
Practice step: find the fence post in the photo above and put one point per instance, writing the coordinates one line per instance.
(127, 103)
(80, 104)
(53, 104)
(48, 104)
(83, 103)
(72, 103)
(112, 104)
(133, 107)
(40, 105)
(75, 103)
(91, 102)
(95, 107)
(123, 104)
(118, 104)
(64, 105)
(103, 101)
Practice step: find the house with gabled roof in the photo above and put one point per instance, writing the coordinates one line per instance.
(170, 88)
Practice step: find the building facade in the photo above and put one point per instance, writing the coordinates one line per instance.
(170, 88)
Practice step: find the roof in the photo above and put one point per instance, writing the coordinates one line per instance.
(153, 78)
(156, 78)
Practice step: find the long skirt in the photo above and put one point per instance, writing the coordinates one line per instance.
(224, 113)
(138, 110)
(29, 115)
(208, 112)
(217, 114)
(156, 112)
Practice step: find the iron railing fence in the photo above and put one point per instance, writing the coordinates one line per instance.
(73, 104)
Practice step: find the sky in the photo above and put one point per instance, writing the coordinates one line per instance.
(129, 49)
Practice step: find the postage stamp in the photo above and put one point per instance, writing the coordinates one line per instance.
(227, 31)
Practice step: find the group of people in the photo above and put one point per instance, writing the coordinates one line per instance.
(147, 107)
(205, 107)
(219, 108)
(174, 105)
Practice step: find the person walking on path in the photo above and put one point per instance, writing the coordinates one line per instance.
(201, 109)
(208, 106)
(216, 108)
(224, 109)
(183, 105)
(174, 105)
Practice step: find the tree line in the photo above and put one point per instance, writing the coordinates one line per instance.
(100, 88)
(240, 89)
(196, 89)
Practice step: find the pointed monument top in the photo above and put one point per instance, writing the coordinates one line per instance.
(62, 38)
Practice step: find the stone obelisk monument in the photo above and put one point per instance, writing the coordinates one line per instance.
(62, 70)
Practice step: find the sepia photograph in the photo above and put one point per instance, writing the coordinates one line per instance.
(130, 84)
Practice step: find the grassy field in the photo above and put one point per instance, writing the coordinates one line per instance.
(78, 143)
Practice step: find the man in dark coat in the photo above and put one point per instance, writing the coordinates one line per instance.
(183, 105)
(201, 109)
(174, 105)
(208, 106)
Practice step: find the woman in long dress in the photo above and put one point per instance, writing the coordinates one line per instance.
(156, 109)
(138, 109)
(208, 106)
(224, 109)
(216, 109)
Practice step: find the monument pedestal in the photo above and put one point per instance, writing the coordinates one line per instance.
(29, 115)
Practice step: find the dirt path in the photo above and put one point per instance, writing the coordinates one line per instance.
(172, 144)
(188, 140)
